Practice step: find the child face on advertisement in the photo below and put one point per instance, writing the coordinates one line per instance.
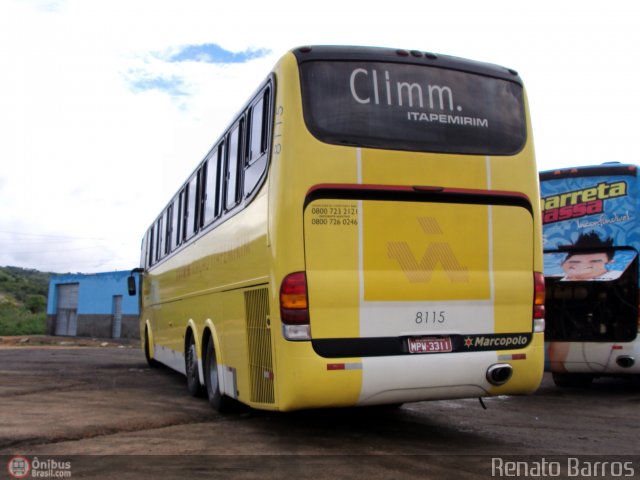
(585, 266)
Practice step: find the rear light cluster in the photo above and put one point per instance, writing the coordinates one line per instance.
(294, 307)
(538, 302)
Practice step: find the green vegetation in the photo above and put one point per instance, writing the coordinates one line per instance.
(23, 301)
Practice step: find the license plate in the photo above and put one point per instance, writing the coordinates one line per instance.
(429, 344)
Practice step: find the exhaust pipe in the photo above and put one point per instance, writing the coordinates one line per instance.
(499, 373)
(625, 361)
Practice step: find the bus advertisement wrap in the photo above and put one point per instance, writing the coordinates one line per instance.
(591, 239)
(602, 204)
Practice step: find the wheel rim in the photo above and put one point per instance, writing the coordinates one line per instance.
(191, 360)
(213, 372)
(146, 345)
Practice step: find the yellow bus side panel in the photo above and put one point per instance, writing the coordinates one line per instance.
(527, 372)
(513, 240)
(305, 381)
(233, 341)
(331, 243)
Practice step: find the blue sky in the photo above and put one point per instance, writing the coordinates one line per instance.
(107, 106)
(212, 53)
(175, 85)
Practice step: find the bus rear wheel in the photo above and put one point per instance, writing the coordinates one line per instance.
(217, 399)
(147, 355)
(191, 368)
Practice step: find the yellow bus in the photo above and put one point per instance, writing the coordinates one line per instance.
(366, 231)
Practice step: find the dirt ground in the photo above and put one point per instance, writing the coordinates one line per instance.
(96, 404)
(53, 341)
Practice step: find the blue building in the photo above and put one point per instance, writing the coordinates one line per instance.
(92, 305)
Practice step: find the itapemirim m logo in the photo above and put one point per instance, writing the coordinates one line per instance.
(436, 253)
(22, 467)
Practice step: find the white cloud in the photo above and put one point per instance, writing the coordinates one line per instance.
(86, 156)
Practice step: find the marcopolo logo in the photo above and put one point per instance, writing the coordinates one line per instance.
(495, 342)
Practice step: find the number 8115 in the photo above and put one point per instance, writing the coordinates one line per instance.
(430, 317)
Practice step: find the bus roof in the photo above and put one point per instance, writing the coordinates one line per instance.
(392, 55)
(609, 168)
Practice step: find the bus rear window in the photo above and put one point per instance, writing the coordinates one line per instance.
(412, 107)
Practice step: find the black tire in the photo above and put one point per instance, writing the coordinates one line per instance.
(578, 380)
(191, 368)
(217, 400)
(150, 361)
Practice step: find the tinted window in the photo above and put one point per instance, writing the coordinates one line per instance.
(211, 205)
(159, 239)
(150, 259)
(202, 171)
(168, 229)
(232, 166)
(175, 229)
(182, 221)
(412, 107)
(222, 155)
(256, 132)
(192, 211)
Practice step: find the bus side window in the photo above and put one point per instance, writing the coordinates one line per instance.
(150, 250)
(257, 140)
(175, 222)
(182, 207)
(211, 205)
(202, 177)
(222, 155)
(234, 159)
(159, 238)
(168, 229)
(191, 212)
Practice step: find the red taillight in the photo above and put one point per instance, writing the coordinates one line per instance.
(294, 309)
(538, 295)
(538, 302)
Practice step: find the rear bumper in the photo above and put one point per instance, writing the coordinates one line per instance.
(598, 358)
(311, 381)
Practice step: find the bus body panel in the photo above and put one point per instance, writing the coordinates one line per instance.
(330, 258)
(394, 268)
(228, 278)
(310, 381)
(598, 358)
(208, 284)
(592, 318)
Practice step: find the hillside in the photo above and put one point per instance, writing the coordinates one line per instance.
(23, 300)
